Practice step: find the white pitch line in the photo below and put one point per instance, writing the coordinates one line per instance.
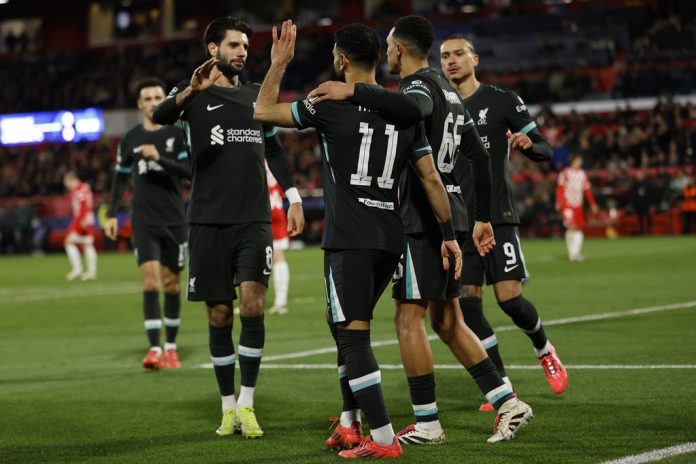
(68, 293)
(507, 328)
(572, 367)
(656, 455)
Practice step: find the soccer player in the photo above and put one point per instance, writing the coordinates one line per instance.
(230, 240)
(421, 285)
(503, 123)
(281, 241)
(156, 157)
(364, 155)
(81, 229)
(573, 183)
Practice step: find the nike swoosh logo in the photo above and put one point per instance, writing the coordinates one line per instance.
(211, 108)
(508, 269)
(266, 272)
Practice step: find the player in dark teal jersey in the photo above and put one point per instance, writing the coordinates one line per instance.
(504, 124)
(155, 157)
(364, 154)
(230, 241)
(422, 288)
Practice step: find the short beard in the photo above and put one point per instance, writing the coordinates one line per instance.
(226, 69)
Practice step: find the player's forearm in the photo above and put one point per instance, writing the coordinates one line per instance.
(178, 168)
(474, 150)
(169, 111)
(434, 189)
(280, 167)
(394, 105)
(540, 150)
(118, 186)
(267, 109)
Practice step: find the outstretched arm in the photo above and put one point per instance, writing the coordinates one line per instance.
(267, 109)
(169, 111)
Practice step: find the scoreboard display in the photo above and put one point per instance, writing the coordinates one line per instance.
(51, 126)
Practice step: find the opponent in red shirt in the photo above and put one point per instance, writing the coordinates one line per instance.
(281, 241)
(81, 229)
(573, 185)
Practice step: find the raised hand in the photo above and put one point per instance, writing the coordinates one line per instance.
(331, 90)
(283, 48)
(203, 77)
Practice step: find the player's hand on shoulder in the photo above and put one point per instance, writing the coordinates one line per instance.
(483, 237)
(295, 219)
(204, 76)
(331, 90)
(283, 48)
(111, 228)
(148, 151)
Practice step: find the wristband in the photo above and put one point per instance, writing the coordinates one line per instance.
(447, 230)
(293, 195)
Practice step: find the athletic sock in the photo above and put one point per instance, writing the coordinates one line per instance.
(281, 283)
(91, 258)
(365, 381)
(525, 316)
(251, 341)
(579, 239)
(350, 405)
(570, 239)
(472, 309)
(172, 312)
(222, 356)
(491, 384)
(74, 257)
(423, 401)
(153, 318)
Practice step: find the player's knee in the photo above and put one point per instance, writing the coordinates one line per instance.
(407, 322)
(470, 291)
(252, 308)
(150, 284)
(443, 327)
(219, 315)
(508, 291)
(171, 285)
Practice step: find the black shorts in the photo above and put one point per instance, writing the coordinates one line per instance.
(420, 274)
(223, 256)
(504, 262)
(354, 281)
(166, 244)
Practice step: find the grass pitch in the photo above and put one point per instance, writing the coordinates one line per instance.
(72, 389)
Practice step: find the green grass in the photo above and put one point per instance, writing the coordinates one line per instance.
(72, 390)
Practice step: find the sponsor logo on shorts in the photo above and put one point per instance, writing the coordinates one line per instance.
(377, 204)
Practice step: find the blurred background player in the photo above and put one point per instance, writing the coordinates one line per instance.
(573, 185)
(503, 123)
(156, 157)
(281, 241)
(81, 229)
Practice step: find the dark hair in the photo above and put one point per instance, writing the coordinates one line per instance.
(417, 31)
(359, 43)
(218, 27)
(149, 82)
(461, 37)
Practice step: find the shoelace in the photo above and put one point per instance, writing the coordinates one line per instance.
(334, 420)
(550, 364)
(407, 430)
(498, 418)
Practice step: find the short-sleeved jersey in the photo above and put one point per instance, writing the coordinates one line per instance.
(495, 111)
(573, 183)
(227, 155)
(156, 193)
(363, 157)
(444, 129)
(81, 202)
